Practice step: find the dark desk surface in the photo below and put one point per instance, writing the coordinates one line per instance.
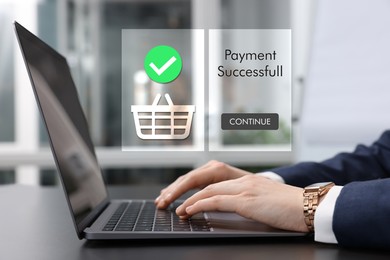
(36, 225)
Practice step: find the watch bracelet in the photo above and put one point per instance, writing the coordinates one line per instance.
(310, 203)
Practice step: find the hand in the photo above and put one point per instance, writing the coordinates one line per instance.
(212, 172)
(254, 197)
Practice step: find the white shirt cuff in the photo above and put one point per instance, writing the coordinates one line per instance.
(272, 176)
(323, 221)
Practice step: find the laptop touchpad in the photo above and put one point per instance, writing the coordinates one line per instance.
(221, 221)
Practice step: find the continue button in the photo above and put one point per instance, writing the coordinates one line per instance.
(250, 121)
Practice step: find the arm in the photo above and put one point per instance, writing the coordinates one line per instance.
(362, 213)
(365, 163)
(323, 222)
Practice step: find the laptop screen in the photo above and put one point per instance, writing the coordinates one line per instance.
(68, 132)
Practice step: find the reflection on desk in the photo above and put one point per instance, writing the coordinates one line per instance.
(38, 226)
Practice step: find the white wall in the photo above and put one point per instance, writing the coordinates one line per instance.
(346, 97)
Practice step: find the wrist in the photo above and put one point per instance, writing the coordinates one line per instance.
(312, 197)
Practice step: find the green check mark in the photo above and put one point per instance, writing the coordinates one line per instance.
(163, 64)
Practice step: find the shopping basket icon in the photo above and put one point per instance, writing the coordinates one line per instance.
(162, 122)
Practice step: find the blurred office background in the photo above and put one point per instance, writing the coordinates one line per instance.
(340, 78)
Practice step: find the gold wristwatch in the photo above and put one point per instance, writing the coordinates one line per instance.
(311, 198)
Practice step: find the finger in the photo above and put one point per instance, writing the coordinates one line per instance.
(194, 179)
(230, 187)
(197, 178)
(170, 193)
(225, 203)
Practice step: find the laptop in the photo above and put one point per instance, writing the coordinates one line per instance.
(95, 216)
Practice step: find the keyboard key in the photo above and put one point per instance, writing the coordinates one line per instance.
(181, 228)
(107, 229)
(143, 228)
(123, 229)
(162, 228)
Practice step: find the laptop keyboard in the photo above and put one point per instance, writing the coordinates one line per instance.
(144, 216)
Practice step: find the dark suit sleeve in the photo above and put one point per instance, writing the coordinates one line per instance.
(365, 163)
(362, 211)
(362, 214)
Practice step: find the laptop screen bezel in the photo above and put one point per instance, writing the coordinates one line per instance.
(21, 33)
